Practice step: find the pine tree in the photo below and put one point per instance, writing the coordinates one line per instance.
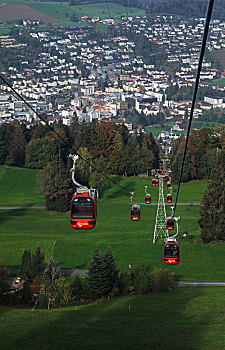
(6, 132)
(77, 290)
(33, 265)
(18, 146)
(95, 276)
(55, 184)
(110, 273)
(212, 211)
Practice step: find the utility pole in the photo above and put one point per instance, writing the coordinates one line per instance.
(160, 222)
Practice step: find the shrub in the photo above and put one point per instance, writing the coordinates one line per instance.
(163, 279)
(141, 281)
(77, 290)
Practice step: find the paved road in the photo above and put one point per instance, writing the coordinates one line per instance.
(23, 207)
(190, 283)
(43, 207)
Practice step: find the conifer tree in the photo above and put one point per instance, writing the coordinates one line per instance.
(95, 275)
(33, 265)
(55, 184)
(6, 132)
(110, 275)
(212, 212)
(103, 275)
(77, 290)
(18, 146)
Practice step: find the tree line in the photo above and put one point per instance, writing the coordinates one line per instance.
(203, 147)
(186, 8)
(43, 285)
(205, 159)
(105, 146)
(212, 209)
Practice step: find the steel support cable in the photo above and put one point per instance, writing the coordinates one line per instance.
(205, 35)
(59, 136)
(107, 5)
(126, 7)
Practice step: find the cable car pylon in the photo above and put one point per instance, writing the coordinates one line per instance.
(160, 222)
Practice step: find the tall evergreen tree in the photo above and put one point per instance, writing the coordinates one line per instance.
(95, 275)
(110, 273)
(18, 146)
(6, 132)
(102, 275)
(55, 184)
(77, 289)
(212, 212)
(33, 265)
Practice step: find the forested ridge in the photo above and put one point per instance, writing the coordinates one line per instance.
(187, 8)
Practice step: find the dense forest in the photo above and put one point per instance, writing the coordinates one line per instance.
(187, 8)
(202, 150)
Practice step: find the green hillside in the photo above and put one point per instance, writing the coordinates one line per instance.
(18, 187)
(131, 242)
(61, 11)
(190, 318)
(186, 318)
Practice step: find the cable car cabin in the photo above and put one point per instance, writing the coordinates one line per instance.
(135, 212)
(169, 198)
(168, 185)
(153, 182)
(148, 199)
(171, 253)
(170, 223)
(157, 182)
(83, 211)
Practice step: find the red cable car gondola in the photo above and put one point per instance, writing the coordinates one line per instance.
(157, 182)
(153, 182)
(171, 252)
(168, 185)
(135, 212)
(169, 198)
(148, 199)
(83, 211)
(170, 223)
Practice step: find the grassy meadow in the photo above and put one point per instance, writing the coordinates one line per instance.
(131, 242)
(60, 12)
(18, 187)
(189, 318)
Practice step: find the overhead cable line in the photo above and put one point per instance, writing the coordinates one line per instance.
(59, 136)
(204, 39)
(126, 7)
(107, 5)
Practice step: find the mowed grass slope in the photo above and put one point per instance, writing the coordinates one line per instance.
(186, 318)
(18, 187)
(131, 242)
(62, 12)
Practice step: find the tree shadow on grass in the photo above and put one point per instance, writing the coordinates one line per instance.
(9, 214)
(168, 321)
(120, 191)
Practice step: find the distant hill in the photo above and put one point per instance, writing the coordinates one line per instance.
(187, 8)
